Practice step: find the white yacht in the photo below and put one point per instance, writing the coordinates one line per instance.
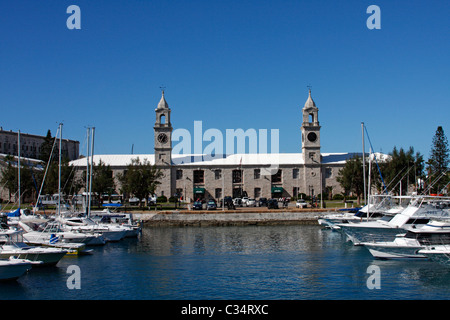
(440, 253)
(379, 206)
(124, 220)
(15, 247)
(52, 235)
(416, 215)
(11, 269)
(83, 225)
(408, 245)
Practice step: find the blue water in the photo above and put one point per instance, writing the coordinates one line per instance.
(232, 263)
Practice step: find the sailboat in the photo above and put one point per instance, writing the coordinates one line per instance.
(84, 224)
(51, 234)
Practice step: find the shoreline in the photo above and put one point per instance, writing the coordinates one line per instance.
(231, 217)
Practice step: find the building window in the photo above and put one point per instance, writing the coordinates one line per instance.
(257, 193)
(218, 193)
(328, 173)
(179, 174)
(276, 178)
(295, 192)
(237, 176)
(257, 174)
(218, 174)
(199, 176)
(295, 173)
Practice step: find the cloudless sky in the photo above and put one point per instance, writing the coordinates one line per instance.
(231, 64)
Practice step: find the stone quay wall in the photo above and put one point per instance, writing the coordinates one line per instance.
(204, 218)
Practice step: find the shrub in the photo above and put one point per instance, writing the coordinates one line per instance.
(338, 196)
(161, 199)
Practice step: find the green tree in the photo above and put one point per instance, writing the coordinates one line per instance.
(102, 180)
(140, 179)
(402, 169)
(350, 177)
(439, 159)
(9, 178)
(46, 147)
(52, 179)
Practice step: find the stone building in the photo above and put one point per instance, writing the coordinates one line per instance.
(194, 176)
(31, 145)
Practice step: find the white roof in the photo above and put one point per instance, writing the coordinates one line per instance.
(122, 160)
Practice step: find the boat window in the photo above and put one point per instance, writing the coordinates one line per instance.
(418, 221)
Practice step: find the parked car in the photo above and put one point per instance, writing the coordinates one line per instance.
(301, 203)
(262, 202)
(244, 201)
(272, 204)
(133, 201)
(237, 202)
(251, 202)
(197, 205)
(211, 205)
(229, 204)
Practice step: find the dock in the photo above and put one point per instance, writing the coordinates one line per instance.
(238, 217)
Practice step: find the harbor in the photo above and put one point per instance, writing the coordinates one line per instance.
(294, 262)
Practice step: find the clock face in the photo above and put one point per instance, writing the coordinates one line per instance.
(312, 136)
(162, 138)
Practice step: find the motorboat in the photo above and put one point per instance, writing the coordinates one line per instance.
(13, 268)
(52, 233)
(380, 206)
(124, 220)
(416, 215)
(408, 245)
(15, 247)
(440, 253)
(112, 233)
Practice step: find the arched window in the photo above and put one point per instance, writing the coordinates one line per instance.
(311, 117)
(162, 119)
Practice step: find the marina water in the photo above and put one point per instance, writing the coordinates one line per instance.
(232, 263)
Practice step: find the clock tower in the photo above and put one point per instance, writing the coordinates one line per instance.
(163, 134)
(312, 176)
(310, 132)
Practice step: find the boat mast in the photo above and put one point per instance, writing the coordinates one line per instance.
(59, 170)
(90, 172)
(368, 189)
(18, 166)
(87, 200)
(364, 162)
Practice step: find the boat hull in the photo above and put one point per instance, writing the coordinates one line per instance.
(395, 252)
(48, 259)
(12, 270)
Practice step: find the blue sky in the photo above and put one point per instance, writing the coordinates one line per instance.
(231, 64)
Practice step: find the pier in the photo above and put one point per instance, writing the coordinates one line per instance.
(244, 216)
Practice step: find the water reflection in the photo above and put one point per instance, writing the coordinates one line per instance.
(246, 240)
(252, 262)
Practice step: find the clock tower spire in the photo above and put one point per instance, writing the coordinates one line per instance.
(310, 132)
(163, 134)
